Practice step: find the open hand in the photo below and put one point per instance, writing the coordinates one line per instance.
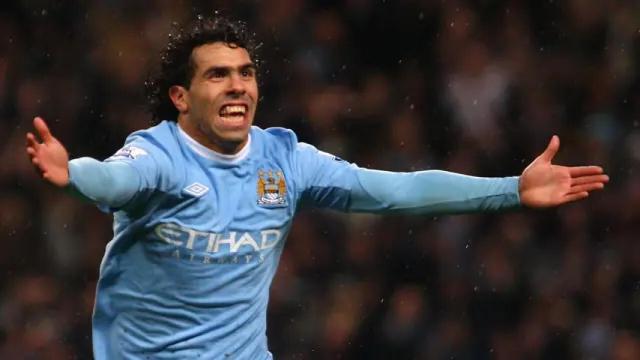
(50, 157)
(543, 184)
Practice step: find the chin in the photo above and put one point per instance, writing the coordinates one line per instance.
(233, 136)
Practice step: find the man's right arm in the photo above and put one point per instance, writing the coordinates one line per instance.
(111, 184)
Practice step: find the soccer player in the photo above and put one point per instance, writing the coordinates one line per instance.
(203, 201)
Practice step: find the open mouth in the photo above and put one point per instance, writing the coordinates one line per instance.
(233, 111)
(233, 114)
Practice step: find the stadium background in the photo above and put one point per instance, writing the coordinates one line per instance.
(471, 86)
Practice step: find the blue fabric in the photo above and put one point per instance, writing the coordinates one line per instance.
(112, 183)
(197, 240)
(432, 192)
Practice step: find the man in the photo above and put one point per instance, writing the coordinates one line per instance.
(203, 202)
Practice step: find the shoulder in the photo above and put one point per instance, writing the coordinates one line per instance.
(276, 137)
(157, 142)
(286, 139)
(160, 135)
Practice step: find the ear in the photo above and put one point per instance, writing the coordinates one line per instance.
(180, 98)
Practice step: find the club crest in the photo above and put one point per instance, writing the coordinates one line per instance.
(272, 188)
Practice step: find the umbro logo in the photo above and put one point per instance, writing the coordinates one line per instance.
(196, 189)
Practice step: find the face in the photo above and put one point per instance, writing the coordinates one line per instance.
(219, 106)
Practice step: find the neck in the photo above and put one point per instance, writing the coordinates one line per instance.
(210, 142)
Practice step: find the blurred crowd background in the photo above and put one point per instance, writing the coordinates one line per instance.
(476, 87)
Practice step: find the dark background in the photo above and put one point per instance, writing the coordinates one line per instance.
(476, 87)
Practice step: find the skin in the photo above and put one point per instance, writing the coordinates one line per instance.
(543, 184)
(225, 75)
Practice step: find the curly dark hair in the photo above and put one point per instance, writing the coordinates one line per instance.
(176, 65)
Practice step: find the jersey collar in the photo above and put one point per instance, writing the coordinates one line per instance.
(214, 155)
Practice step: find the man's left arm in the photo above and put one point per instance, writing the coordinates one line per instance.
(542, 184)
(343, 186)
(430, 192)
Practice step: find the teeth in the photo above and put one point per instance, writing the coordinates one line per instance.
(232, 109)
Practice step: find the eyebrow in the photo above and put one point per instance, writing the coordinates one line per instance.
(213, 68)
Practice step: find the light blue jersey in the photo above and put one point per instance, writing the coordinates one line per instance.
(198, 235)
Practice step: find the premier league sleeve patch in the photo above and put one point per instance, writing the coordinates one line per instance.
(128, 152)
(272, 188)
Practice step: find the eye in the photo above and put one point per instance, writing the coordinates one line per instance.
(248, 72)
(218, 73)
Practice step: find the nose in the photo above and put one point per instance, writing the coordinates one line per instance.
(236, 85)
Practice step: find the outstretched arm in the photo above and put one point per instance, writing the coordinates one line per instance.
(541, 184)
(111, 184)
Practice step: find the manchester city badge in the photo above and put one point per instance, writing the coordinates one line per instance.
(272, 188)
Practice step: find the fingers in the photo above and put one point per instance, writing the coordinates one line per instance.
(586, 182)
(590, 179)
(31, 141)
(575, 196)
(586, 187)
(32, 151)
(577, 171)
(551, 149)
(43, 129)
(35, 161)
(32, 147)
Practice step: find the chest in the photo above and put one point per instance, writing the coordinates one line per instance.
(244, 198)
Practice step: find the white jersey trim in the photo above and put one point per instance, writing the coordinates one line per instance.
(214, 155)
